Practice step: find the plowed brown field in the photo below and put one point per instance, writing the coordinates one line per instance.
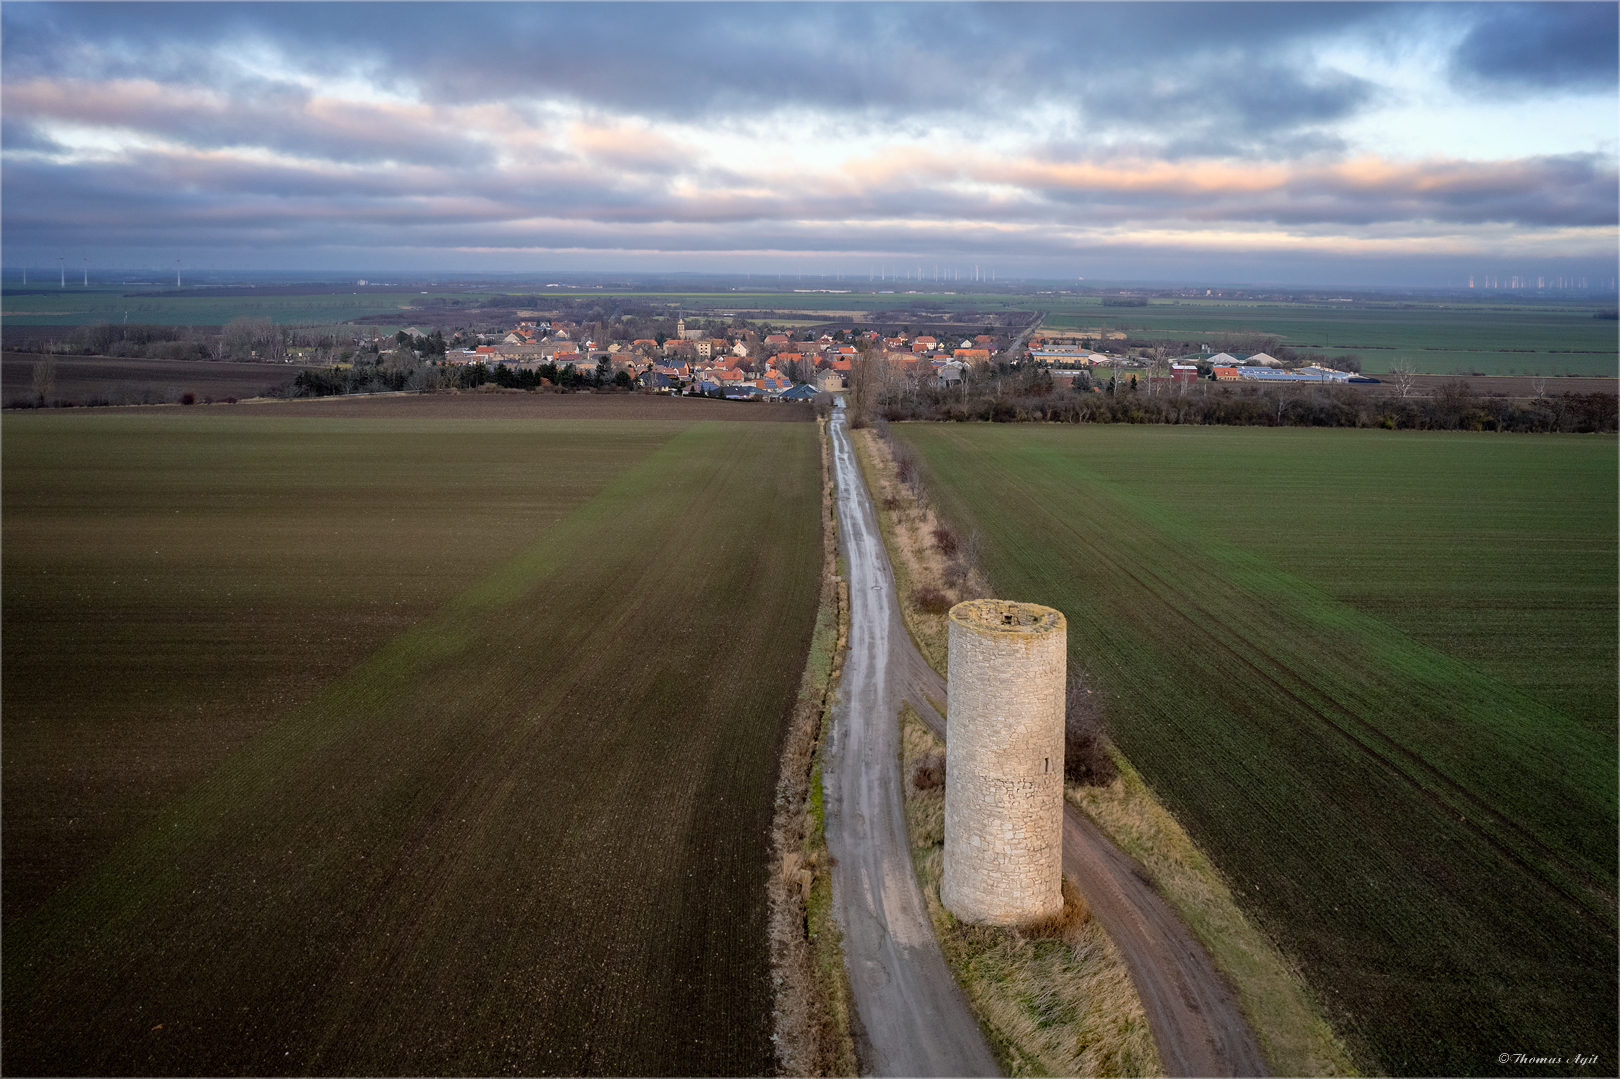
(523, 830)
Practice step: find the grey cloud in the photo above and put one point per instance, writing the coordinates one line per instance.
(1570, 191)
(156, 194)
(1237, 63)
(1565, 46)
(1263, 108)
(22, 136)
(268, 115)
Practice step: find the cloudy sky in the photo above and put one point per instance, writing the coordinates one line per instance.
(1293, 143)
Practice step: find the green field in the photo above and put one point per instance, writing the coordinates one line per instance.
(84, 307)
(408, 746)
(1374, 674)
(1440, 339)
(89, 307)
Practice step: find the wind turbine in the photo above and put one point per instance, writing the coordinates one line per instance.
(63, 260)
(87, 271)
(176, 273)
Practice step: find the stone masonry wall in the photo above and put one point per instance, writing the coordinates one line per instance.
(1004, 762)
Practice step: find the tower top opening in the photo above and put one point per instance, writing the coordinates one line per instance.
(1007, 616)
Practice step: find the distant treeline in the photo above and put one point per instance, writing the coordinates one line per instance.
(396, 371)
(131, 341)
(1452, 407)
(241, 339)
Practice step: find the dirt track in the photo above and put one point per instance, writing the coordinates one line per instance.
(1195, 1017)
(910, 1017)
(1196, 1021)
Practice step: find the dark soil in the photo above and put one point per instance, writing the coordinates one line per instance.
(521, 405)
(528, 835)
(85, 380)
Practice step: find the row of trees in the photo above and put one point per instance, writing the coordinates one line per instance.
(1008, 395)
(402, 370)
(241, 339)
(138, 341)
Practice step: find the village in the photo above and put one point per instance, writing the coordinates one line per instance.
(735, 362)
(742, 362)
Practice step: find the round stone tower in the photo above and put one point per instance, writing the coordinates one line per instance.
(1004, 762)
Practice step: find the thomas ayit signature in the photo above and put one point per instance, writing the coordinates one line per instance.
(1576, 1059)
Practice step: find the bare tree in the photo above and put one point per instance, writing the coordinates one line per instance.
(1404, 375)
(1085, 756)
(44, 379)
(1158, 365)
(1539, 384)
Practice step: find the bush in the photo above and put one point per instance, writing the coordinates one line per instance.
(930, 601)
(945, 540)
(188, 398)
(930, 773)
(1085, 754)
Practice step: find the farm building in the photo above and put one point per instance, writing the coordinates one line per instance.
(1060, 353)
(1271, 374)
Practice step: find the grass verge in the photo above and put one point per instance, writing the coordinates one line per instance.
(1292, 1032)
(812, 1015)
(927, 579)
(1054, 999)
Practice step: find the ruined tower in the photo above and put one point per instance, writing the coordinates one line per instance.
(1004, 762)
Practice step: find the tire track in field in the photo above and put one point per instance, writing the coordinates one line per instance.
(1162, 589)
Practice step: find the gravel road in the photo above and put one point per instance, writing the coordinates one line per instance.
(911, 1018)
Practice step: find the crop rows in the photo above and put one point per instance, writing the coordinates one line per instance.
(527, 834)
(1434, 845)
